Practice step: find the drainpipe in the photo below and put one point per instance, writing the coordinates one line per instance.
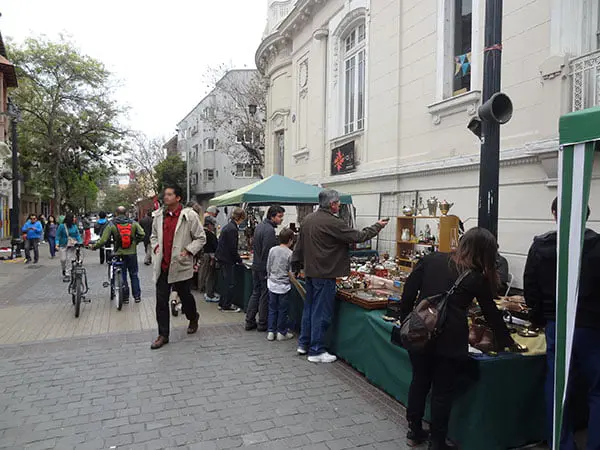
(322, 35)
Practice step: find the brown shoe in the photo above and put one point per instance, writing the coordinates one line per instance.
(159, 342)
(193, 327)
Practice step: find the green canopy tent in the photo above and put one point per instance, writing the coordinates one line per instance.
(275, 189)
(579, 133)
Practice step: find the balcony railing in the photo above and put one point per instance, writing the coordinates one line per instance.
(585, 71)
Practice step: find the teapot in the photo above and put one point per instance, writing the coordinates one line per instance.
(432, 205)
(445, 207)
(405, 235)
(408, 211)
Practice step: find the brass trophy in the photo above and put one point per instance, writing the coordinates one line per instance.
(445, 207)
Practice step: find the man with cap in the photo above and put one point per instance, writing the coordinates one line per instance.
(207, 269)
(211, 211)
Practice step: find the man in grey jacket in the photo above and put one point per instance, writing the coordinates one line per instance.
(264, 240)
(322, 249)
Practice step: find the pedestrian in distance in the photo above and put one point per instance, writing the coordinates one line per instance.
(42, 220)
(539, 283)
(68, 236)
(211, 211)
(263, 241)
(322, 249)
(228, 257)
(278, 269)
(208, 266)
(99, 228)
(50, 235)
(33, 233)
(126, 235)
(472, 270)
(177, 235)
(146, 224)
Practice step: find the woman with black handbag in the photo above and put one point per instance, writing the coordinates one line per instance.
(437, 366)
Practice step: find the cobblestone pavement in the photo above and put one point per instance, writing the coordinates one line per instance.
(222, 388)
(34, 304)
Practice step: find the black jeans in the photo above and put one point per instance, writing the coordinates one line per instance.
(163, 311)
(438, 374)
(259, 301)
(29, 244)
(102, 255)
(228, 273)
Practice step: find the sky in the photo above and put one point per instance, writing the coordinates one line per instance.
(158, 51)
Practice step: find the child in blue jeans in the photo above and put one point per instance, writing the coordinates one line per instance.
(278, 282)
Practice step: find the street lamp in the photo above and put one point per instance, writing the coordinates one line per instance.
(252, 109)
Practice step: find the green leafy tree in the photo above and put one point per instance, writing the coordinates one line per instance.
(70, 120)
(170, 171)
(116, 196)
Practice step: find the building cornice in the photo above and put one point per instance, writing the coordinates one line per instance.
(281, 37)
(528, 154)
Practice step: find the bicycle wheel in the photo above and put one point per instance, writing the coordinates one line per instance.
(78, 295)
(118, 289)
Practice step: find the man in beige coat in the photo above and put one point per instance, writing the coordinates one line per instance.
(177, 235)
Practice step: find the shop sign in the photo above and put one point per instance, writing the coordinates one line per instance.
(342, 159)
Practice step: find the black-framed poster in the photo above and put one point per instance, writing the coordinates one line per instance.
(342, 159)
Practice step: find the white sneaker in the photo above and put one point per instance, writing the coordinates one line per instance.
(322, 358)
(270, 336)
(301, 351)
(285, 337)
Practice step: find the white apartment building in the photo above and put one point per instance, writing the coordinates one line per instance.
(389, 86)
(208, 150)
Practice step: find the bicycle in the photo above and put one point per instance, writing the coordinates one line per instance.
(115, 280)
(78, 286)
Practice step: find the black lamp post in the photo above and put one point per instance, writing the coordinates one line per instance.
(252, 109)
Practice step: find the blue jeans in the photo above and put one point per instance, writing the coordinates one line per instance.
(278, 313)
(130, 264)
(52, 245)
(317, 314)
(585, 360)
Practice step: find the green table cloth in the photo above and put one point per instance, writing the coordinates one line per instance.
(243, 285)
(500, 403)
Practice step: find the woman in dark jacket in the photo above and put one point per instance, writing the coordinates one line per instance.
(437, 367)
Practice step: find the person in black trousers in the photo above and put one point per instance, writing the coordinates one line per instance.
(263, 241)
(437, 367)
(228, 256)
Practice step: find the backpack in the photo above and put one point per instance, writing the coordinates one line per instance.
(125, 234)
(426, 320)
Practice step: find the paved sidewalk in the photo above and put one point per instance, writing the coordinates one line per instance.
(222, 388)
(34, 304)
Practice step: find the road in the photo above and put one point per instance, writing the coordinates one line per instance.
(94, 383)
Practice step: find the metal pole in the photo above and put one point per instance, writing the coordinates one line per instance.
(15, 211)
(489, 170)
(187, 171)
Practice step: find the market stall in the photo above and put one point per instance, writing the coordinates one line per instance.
(275, 189)
(500, 403)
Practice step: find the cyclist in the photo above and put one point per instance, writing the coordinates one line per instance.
(126, 234)
(67, 236)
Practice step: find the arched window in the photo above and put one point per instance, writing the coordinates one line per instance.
(354, 57)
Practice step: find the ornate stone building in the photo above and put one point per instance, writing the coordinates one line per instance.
(372, 97)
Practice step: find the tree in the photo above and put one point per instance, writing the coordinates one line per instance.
(70, 121)
(172, 170)
(240, 126)
(142, 156)
(116, 196)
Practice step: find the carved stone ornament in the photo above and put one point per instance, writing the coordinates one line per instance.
(303, 74)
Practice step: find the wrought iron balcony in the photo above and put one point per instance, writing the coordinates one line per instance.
(585, 71)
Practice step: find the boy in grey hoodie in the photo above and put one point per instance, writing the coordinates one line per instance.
(278, 282)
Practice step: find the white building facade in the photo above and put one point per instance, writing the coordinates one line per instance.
(372, 97)
(208, 150)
